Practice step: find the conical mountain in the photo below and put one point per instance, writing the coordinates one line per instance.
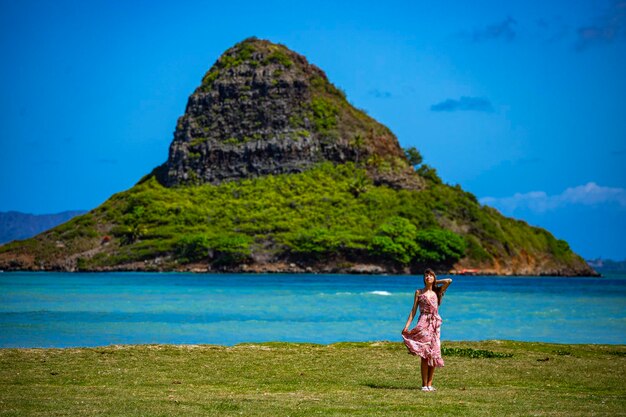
(272, 169)
(263, 109)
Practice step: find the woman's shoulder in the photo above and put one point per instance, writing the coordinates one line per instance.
(418, 292)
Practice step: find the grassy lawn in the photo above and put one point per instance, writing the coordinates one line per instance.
(283, 379)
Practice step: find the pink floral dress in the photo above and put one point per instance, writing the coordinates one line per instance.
(423, 339)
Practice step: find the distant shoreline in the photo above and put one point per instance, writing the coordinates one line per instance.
(284, 268)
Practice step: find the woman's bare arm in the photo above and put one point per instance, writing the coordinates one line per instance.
(413, 311)
(445, 283)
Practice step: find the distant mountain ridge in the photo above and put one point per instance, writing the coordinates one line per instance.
(606, 265)
(271, 169)
(15, 225)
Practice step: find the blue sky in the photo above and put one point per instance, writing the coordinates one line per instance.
(522, 103)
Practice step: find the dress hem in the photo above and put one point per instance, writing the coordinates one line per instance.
(436, 362)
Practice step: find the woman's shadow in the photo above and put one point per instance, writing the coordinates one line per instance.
(388, 385)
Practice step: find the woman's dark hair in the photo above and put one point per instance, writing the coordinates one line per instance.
(435, 288)
(439, 293)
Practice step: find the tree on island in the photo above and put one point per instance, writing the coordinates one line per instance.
(414, 156)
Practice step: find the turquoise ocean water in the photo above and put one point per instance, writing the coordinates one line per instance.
(93, 309)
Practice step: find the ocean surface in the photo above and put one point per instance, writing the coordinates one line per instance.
(94, 309)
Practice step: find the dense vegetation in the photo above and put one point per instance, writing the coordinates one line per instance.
(331, 211)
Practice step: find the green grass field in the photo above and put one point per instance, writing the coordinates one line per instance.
(283, 379)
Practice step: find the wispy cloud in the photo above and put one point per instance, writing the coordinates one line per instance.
(590, 194)
(553, 29)
(504, 30)
(464, 104)
(605, 28)
(379, 94)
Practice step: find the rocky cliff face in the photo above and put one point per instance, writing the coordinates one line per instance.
(263, 109)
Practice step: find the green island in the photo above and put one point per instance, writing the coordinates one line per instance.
(272, 169)
(489, 378)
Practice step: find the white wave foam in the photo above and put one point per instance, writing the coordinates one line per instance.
(379, 292)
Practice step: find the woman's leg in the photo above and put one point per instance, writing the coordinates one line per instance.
(424, 372)
(431, 373)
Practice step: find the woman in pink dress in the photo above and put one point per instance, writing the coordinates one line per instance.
(423, 340)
